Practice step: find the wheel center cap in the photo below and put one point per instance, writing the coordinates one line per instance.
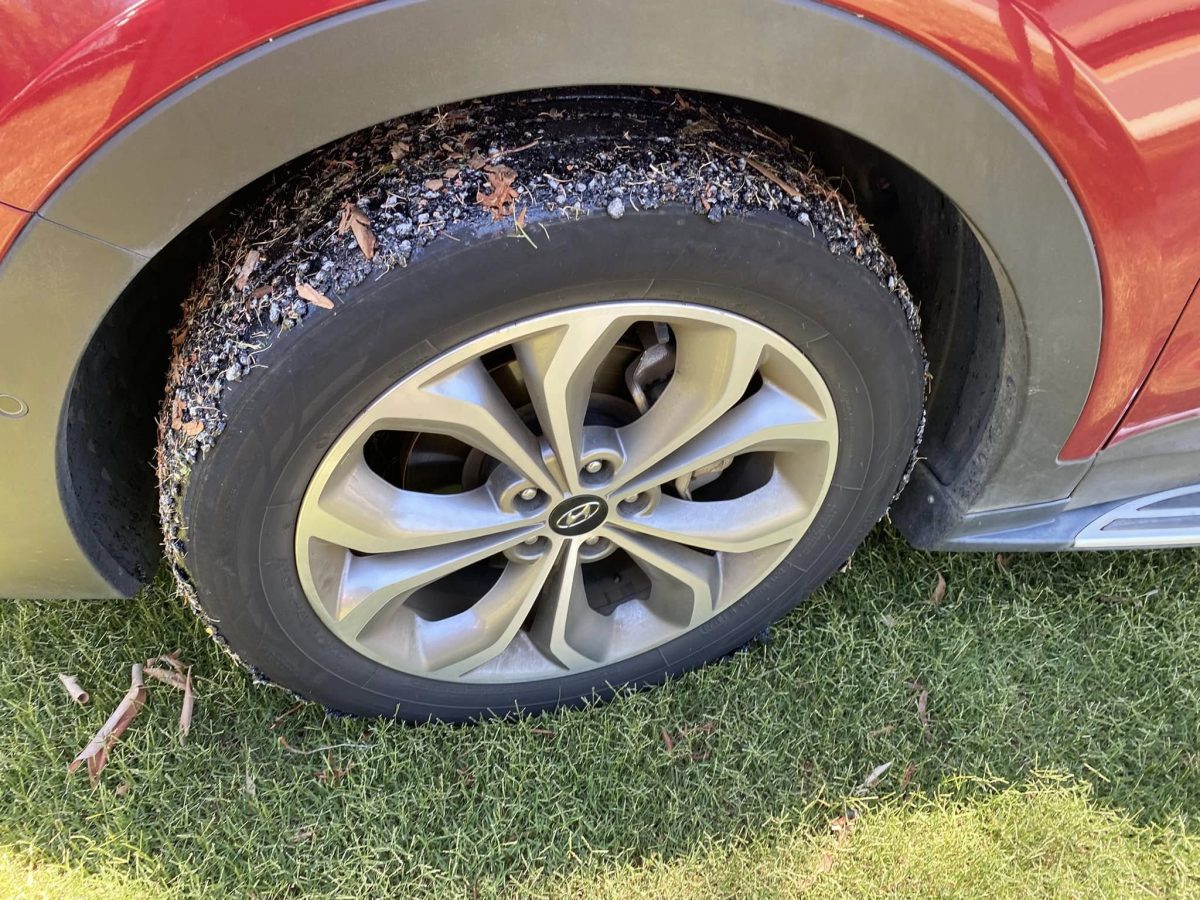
(578, 515)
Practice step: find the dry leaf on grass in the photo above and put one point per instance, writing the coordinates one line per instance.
(332, 774)
(873, 778)
(171, 659)
(355, 220)
(95, 754)
(843, 826)
(78, 694)
(910, 772)
(247, 269)
(938, 594)
(1002, 562)
(434, 184)
(923, 712)
(399, 150)
(312, 295)
(193, 428)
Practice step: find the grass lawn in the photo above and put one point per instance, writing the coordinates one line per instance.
(1062, 755)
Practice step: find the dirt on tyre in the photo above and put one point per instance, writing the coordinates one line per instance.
(506, 405)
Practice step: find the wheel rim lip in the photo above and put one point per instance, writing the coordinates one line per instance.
(354, 434)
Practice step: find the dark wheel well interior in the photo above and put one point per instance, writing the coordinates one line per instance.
(106, 454)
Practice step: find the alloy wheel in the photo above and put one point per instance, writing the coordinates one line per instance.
(566, 492)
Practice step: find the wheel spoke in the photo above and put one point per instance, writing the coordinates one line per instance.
(465, 403)
(684, 583)
(560, 366)
(770, 419)
(755, 520)
(713, 367)
(372, 583)
(360, 511)
(566, 628)
(460, 643)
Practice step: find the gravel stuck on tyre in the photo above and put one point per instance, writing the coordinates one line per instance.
(505, 405)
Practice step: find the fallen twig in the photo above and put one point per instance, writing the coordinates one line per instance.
(78, 694)
(350, 746)
(174, 679)
(185, 712)
(95, 754)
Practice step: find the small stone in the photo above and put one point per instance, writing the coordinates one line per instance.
(233, 373)
(406, 247)
(404, 228)
(274, 314)
(716, 213)
(616, 208)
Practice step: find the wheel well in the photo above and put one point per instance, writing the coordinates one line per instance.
(107, 448)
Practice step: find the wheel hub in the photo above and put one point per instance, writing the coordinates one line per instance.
(577, 516)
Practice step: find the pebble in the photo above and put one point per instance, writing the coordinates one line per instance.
(616, 208)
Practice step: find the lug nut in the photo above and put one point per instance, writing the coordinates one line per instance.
(594, 466)
(593, 539)
(529, 493)
(531, 540)
(632, 498)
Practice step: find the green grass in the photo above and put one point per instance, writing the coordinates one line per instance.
(1063, 757)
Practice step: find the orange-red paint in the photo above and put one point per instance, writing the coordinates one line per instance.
(73, 73)
(1110, 87)
(12, 220)
(1172, 392)
(1112, 90)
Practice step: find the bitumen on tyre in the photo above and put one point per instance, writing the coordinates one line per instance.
(291, 332)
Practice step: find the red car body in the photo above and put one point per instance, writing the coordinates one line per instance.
(1109, 88)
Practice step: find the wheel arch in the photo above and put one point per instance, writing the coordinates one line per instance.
(279, 100)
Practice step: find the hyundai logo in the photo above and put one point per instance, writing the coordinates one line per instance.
(578, 515)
